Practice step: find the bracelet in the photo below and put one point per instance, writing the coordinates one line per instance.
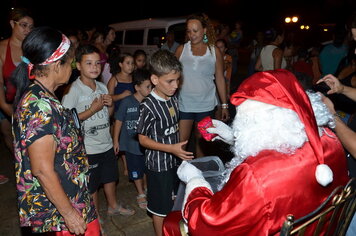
(337, 116)
(224, 106)
(91, 111)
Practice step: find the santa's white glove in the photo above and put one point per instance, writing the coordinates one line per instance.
(187, 172)
(223, 131)
(193, 178)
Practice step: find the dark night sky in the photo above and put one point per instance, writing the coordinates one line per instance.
(64, 14)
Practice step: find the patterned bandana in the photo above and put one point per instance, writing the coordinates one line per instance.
(56, 55)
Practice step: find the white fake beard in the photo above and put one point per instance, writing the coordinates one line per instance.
(259, 126)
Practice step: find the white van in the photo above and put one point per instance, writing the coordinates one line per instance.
(148, 34)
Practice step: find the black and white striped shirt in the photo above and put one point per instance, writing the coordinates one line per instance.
(159, 121)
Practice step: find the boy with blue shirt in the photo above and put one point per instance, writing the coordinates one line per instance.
(158, 132)
(125, 136)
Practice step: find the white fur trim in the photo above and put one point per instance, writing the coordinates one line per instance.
(323, 174)
(191, 185)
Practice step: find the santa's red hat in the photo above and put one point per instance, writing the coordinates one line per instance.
(282, 89)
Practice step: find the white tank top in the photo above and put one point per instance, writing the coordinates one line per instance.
(197, 92)
(267, 58)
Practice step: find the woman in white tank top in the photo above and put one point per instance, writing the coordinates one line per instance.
(271, 56)
(202, 64)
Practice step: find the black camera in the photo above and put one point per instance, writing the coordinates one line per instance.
(321, 87)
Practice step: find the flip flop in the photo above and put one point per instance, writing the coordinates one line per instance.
(120, 210)
(141, 201)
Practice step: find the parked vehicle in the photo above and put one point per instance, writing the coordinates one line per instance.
(147, 34)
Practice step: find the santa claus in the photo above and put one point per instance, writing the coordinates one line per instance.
(286, 162)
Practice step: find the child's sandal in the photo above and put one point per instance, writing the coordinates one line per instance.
(141, 201)
(120, 210)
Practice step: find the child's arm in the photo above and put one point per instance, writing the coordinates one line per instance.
(175, 149)
(116, 136)
(111, 88)
(95, 106)
(107, 101)
(117, 97)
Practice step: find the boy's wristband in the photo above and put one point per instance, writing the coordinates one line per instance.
(92, 112)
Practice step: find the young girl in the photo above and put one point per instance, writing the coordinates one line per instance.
(120, 85)
(140, 58)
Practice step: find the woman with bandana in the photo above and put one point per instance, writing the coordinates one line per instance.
(50, 159)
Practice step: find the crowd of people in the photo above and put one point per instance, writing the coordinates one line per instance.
(77, 103)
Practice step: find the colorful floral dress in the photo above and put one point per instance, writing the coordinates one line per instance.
(39, 114)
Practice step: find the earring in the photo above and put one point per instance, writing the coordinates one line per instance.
(205, 39)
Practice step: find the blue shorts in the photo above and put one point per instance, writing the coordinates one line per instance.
(135, 165)
(196, 116)
(103, 169)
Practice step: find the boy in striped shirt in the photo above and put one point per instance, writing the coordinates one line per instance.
(158, 132)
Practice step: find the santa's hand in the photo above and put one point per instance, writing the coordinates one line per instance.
(223, 131)
(187, 172)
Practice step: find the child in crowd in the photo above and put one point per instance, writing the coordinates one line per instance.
(140, 58)
(125, 136)
(114, 52)
(120, 85)
(157, 130)
(91, 100)
(222, 45)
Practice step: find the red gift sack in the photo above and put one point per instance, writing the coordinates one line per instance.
(203, 125)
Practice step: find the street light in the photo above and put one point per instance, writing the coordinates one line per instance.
(293, 19)
(304, 27)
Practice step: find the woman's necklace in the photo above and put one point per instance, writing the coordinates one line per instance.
(45, 89)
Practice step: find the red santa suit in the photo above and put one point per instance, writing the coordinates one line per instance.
(265, 188)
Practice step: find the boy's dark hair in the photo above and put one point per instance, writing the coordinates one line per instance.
(140, 75)
(84, 50)
(139, 52)
(164, 62)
